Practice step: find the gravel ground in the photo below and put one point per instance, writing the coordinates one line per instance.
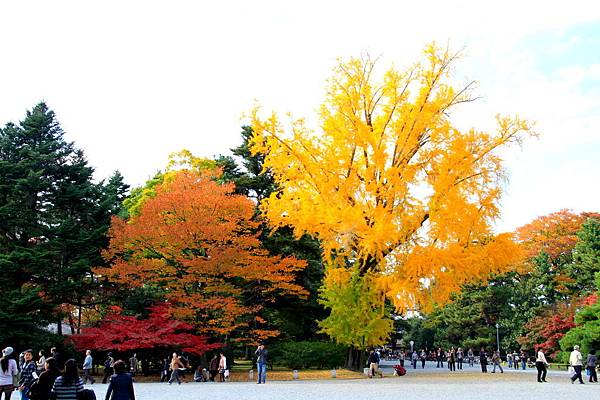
(430, 383)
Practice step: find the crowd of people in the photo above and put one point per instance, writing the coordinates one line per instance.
(58, 379)
(53, 378)
(456, 358)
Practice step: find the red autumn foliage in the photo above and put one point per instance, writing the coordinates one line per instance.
(545, 331)
(124, 333)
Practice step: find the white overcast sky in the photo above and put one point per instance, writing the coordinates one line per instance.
(132, 81)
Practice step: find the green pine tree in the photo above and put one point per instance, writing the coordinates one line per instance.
(53, 221)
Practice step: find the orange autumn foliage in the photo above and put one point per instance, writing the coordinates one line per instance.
(554, 234)
(195, 241)
(389, 184)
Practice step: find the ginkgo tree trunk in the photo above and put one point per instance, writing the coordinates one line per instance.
(395, 192)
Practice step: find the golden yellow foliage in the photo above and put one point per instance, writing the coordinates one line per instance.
(389, 184)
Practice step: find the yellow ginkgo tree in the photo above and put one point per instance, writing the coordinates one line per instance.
(395, 192)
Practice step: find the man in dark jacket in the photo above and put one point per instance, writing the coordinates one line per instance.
(261, 363)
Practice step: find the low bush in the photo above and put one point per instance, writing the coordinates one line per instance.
(303, 355)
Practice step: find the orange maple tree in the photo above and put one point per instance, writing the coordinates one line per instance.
(195, 242)
(554, 234)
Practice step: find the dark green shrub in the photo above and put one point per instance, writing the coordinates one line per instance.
(303, 355)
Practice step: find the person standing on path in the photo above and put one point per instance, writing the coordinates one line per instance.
(41, 362)
(452, 359)
(483, 360)
(423, 357)
(175, 365)
(69, 384)
(516, 360)
(523, 357)
(88, 364)
(27, 374)
(576, 361)
(8, 370)
(496, 360)
(540, 365)
(471, 356)
(591, 366)
(414, 358)
(439, 356)
(261, 363)
(121, 384)
(401, 357)
(46, 380)
(459, 358)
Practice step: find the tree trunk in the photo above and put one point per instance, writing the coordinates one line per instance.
(355, 360)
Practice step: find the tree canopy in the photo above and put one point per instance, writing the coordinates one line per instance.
(195, 242)
(389, 185)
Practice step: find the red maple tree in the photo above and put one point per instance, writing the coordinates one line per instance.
(545, 331)
(124, 333)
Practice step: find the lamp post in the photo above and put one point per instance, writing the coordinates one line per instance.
(498, 337)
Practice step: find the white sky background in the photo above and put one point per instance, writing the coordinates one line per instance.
(132, 81)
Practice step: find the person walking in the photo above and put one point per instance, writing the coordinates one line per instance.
(401, 357)
(133, 365)
(423, 357)
(497, 360)
(261, 363)
(541, 366)
(483, 360)
(214, 367)
(509, 359)
(576, 361)
(175, 365)
(164, 375)
(108, 367)
(121, 384)
(523, 357)
(222, 367)
(374, 364)
(69, 384)
(591, 366)
(88, 364)
(8, 370)
(27, 374)
(41, 390)
(516, 360)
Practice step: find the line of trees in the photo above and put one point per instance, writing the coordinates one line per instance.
(386, 213)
